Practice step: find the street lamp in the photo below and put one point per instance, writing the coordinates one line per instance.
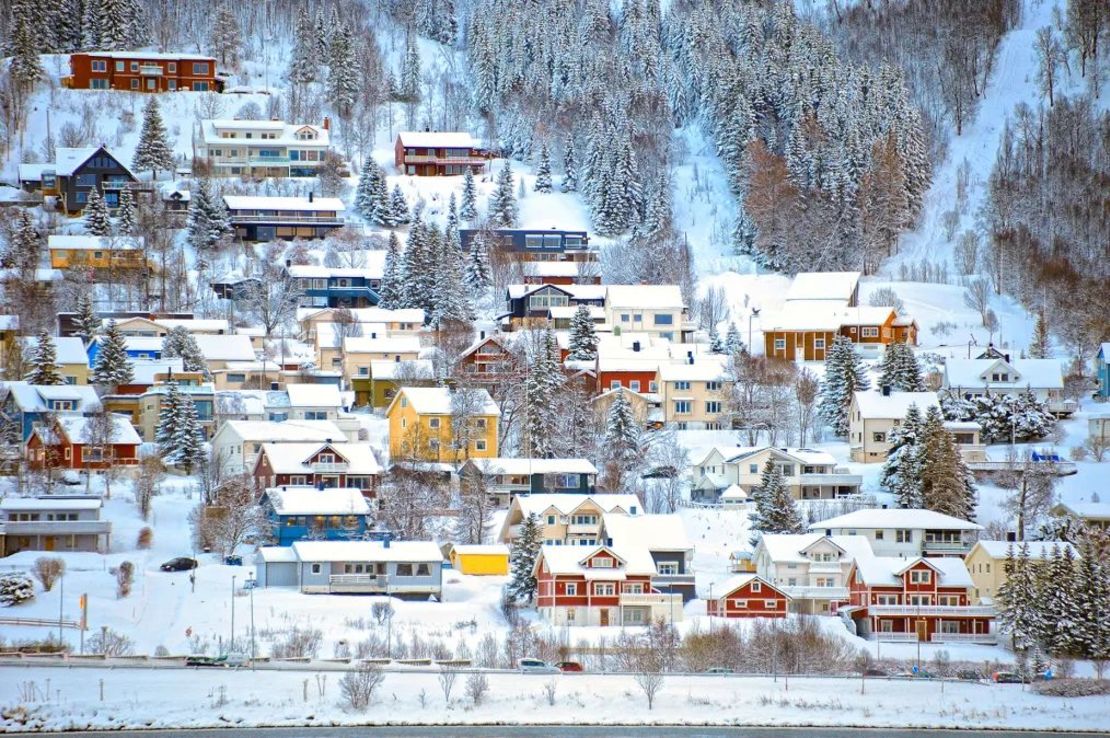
(754, 313)
(252, 583)
(231, 643)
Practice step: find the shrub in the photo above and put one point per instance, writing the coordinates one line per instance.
(47, 570)
(358, 687)
(146, 538)
(15, 589)
(111, 643)
(298, 643)
(1072, 687)
(125, 577)
(476, 687)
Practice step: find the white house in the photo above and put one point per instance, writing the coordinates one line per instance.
(904, 532)
(262, 148)
(655, 309)
(314, 401)
(1043, 377)
(236, 444)
(808, 474)
(872, 416)
(811, 568)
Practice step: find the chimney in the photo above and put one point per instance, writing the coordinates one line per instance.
(385, 540)
(311, 195)
(327, 123)
(636, 346)
(885, 389)
(689, 357)
(481, 335)
(1006, 357)
(288, 263)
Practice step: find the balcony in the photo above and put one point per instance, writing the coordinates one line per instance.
(333, 468)
(55, 527)
(816, 593)
(831, 479)
(947, 546)
(425, 159)
(353, 583)
(270, 161)
(651, 599)
(985, 638)
(896, 637)
(943, 611)
(286, 218)
(150, 70)
(673, 580)
(583, 529)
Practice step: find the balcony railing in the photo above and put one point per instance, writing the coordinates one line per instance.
(825, 567)
(651, 599)
(816, 593)
(989, 638)
(289, 219)
(150, 70)
(951, 611)
(840, 480)
(895, 637)
(672, 580)
(583, 528)
(424, 159)
(55, 527)
(947, 545)
(255, 161)
(321, 468)
(357, 583)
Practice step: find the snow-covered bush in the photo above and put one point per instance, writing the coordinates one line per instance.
(1072, 687)
(15, 589)
(358, 686)
(125, 576)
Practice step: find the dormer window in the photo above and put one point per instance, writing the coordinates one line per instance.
(602, 562)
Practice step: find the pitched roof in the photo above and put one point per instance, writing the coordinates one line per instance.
(887, 570)
(291, 458)
(399, 551)
(734, 583)
(518, 466)
(312, 501)
(405, 369)
(655, 296)
(273, 202)
(895, 518)
(384, 345)
(1087, 510)
(570, 560)
(86, 242)
(1036, 373)
(286, 132)
(874, 404)
(225, 347)
(67, 349)
(76, 427)
(32, 398)
(437, 401)
(289, 430)
(50, 503)
(566, 503)
(439, 139)
(313, 395)
(789, 547)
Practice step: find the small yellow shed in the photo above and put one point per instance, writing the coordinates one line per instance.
(492, 560)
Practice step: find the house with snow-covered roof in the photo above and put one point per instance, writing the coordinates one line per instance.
(566, 519)
(335, 287)
(313, 401)
(748, 596)
(505, 477)
(78, 442)
(25, 405)
(124, 253)
(442, 424)
(874, 414)
(916, 599)
(307, 513)
(810, 568)
(664, 537)
(402, 320)
(76, 171)
(986, 562)
(52, 523)
(601, 586)
(318, 465)
(658, 310)
(807, 474)
(410, 570)
(1096, 514)
(904, 532)
(69, 352)
(142, 71)
(271, 217)
(262, 148)
(438, 153)
(1044, 378)
(236, 444)
(359, 352)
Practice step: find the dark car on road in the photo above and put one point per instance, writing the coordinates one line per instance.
(1006, 677)
(181, 563)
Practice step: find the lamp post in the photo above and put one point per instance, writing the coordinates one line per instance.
(253, 583)
(752, 314)
(231, 643)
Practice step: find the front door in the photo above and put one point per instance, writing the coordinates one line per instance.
(922, 630)
(604, 616)
(48, 543)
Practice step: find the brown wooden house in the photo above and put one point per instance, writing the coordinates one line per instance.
(804, 330)
(436, 153)
(142, 71)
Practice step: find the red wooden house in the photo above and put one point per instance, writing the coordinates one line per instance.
(748, 596)
(926, 599)
(490, 359)
(438, 153)
(317, 465)
(586, 585)
(142, 71)
(72, 442)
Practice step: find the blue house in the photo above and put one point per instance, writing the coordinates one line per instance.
(1104, 370)
(308, 513)
(323, 287)
(507, 477)
(137, 347)
(23, 405)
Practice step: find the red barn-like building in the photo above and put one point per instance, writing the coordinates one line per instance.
(71, 443)
(748, 596)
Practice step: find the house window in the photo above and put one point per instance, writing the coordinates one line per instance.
(551, 520)
(886, 626)
(603, 589)
(740, 604)
(757, 587)
(134, 66)
(878, 437)
(634, 588)
(886, 599)
(614, 384)
(634, 385)
(480, 445)
(571, 613)
(200, 68)
(134, 84)
(949, 600)
(903, 536)
(921, 577)
(712, 386)
(919, 600)
(317, 568)
(120, 66)
(753, 468)
(99, 65)
(780, 344)
(770, 604)
(624, 317)
(433, 423)
(819, 343)
(681, 385)
(404, 570)
(878, 535)
(572, 591)
(664, 319)
(171, 67)
(171, 84)
(98, 84)
(713, 406)
(200, 87)
(869, 332)
(667, 567)
(601, 562)
(86, 180)
(423, 570)
(682, 407)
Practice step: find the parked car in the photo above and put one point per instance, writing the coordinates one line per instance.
(536, 666)
(1006, 677)
(233, 660)
(875, 673)
(203, 661)
(569, 666)
(970, 675)
(181, 563)
(719, 670)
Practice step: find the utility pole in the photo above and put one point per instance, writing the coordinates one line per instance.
(253, 583)
(61, 603)
(231, 643)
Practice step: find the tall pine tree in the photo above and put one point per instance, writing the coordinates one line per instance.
(522, 560)
(392, 278)
(844, 376)
(583, 336)
(468, 209)
(154, 151)
(502, 203)
(775, 509)
(98, 221)
(543, 171)
(44, 362)
(179, 342)
(112, 368)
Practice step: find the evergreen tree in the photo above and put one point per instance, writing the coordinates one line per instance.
(570, 166)
(98, 221)
(367, 194)
(112, 368)
(44, 362)
(1092, 598)
(775, 509)
(744, 234)
(225, 35)
(179, 435)
(716, 345)
(583, 336)
(342, 72)
(207, 222)
(1016, 599)
(398, 207)
(24, 251)
(1038, 348)
(545, 377)
(844, 376)
(410, 71)
(126, 223)
(901, 474)
(26, 68)
(392, 279)
(733, 343)
(451, 298)
(469, 209)
(302, 66)
(622, 448)
(543, 171)
(478, 274)
(946, 484)
(502, 204)
(154, 151)
(1056, 598)
(179, 342)
(86, 323)
(522, 561)
(899, 369)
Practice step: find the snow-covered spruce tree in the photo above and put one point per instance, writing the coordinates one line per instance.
(522, 587)
(225, 35)
(543, 171)
(366, 193)
(98, 221)
(1016, 599)
(126, 217)
(179, 435)
(86, 323)
(342, 88)
(468, 209)
(901, 474)
(545, 377)
(24, 247)
(947, 486)
(302, 65)
(392, 278)
(179, 342)
(398, 207)
(502, 203)
(899, 369)
(744, 234)
(733, 343)
(478, 274)
(1039, 346)
(207, 222)
(1092, 595)
(844, 376)
(15, 589)
(621, 451)
(570, 166)
(26, 68)
(112, 368)
(775, 509)
(452, 295)
(1056, 584)
(44, 362)
(583, 336)
(154, 151)
(410, 71)
(716, 345)
(451, 225)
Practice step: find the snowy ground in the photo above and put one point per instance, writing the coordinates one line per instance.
(174, 698)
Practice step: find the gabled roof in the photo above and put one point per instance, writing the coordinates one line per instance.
(525, 466)
(740, 581)
(790, 548)
(50, 503)
(438, 401)
(233, 347)
(1035, 373)
(312, 501)
(85, 242)
(799, 455)
(286, 133)
(438, 139)
(67, 349)
(313, 395)
(570, 560)
(888, 570)
(411, 369)
(1085, 510)
(566, 503)
(1104, 353)
(292, 458)
(887, 518)
(273, 202)
(405, 344)
(654, 296)
(33, 398)
(75, 429)
(873, 404)
(395, 551)
(67, 160)
(287, 431)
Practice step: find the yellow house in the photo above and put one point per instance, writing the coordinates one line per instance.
(421, 426)
(96, 252)
(70, 356)
(986, 562)
(480, 560)
(385, 378)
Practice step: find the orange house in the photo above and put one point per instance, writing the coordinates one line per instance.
(804, 330)
(141, 71)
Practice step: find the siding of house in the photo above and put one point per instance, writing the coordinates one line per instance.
(143, 73)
